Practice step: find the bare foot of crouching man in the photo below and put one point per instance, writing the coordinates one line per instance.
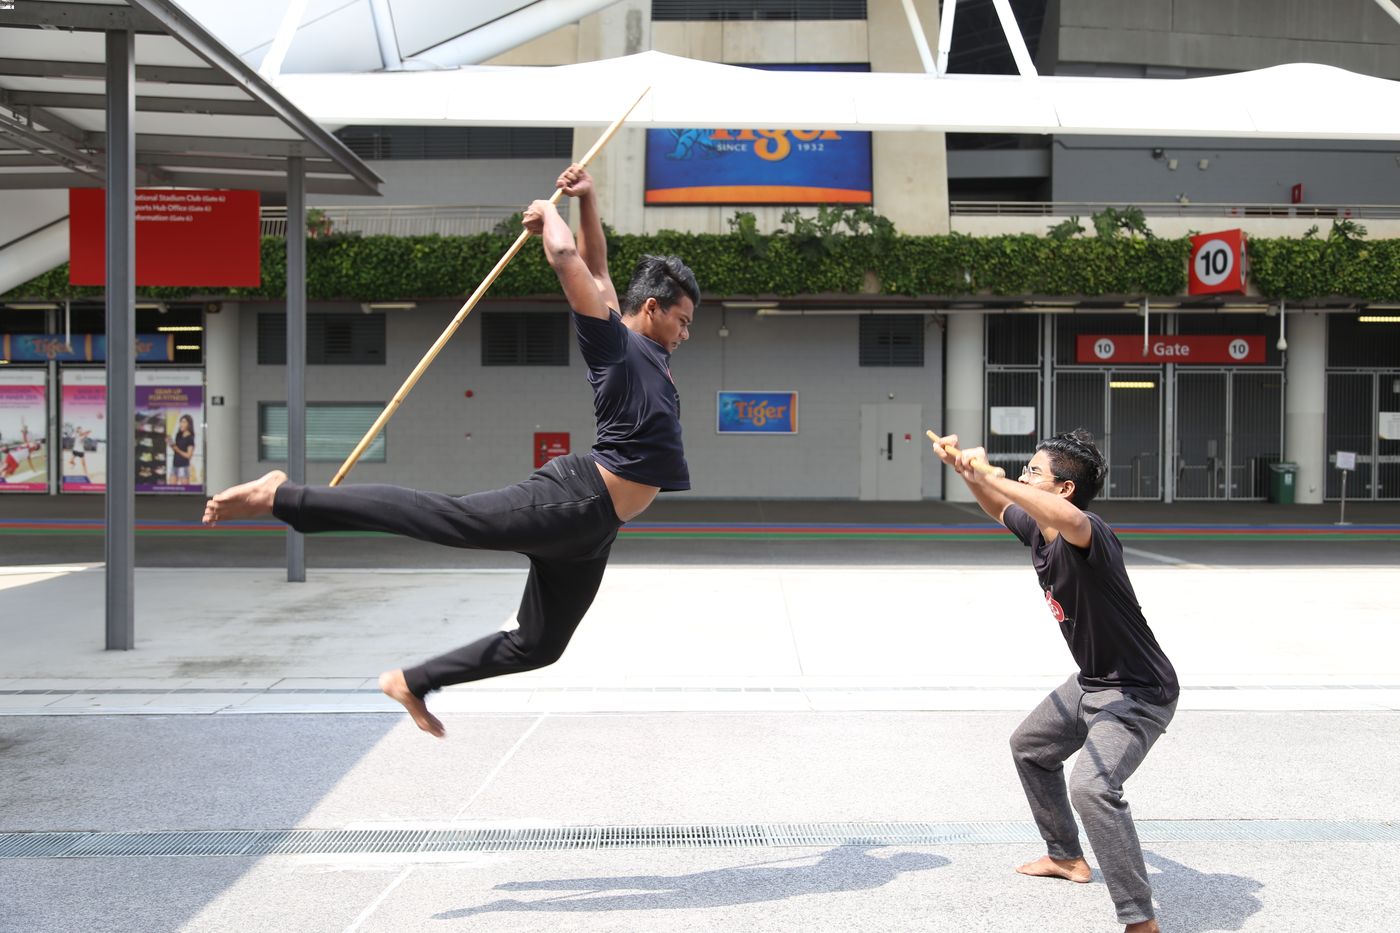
(1074, 869)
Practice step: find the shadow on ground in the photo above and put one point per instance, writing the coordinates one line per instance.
(844, 868)
(1191, 901)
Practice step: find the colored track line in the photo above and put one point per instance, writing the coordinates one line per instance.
(816, 531)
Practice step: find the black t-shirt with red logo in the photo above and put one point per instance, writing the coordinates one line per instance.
(1090, 595)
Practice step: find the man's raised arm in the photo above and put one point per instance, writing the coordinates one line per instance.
(542, 219)
(592, 243)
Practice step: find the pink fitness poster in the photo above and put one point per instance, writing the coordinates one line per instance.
(82, 448)
(24, 452)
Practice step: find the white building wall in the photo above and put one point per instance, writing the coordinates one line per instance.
(442, 440)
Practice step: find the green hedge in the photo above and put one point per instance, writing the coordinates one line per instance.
(387, 268)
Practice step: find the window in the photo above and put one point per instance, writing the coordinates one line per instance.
(1013, 339)
(525, 338)
(696, 10)
(332, 431)
(332, 338)
(892, 340)
(458, 142)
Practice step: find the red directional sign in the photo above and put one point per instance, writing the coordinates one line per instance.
(183, 237)
(1185, 349)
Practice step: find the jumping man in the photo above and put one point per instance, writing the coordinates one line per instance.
(1125, 693)
(564, 517)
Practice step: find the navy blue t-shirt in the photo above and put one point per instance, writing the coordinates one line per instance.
(1089, 594)
(636, 403)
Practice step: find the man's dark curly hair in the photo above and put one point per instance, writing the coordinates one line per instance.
(1073, 456)
(664, 278)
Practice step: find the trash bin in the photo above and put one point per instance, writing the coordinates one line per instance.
(1282, 482)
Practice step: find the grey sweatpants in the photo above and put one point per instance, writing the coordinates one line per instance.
(1115, 732)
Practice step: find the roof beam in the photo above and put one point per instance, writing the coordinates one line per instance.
(226, 162)
(82, 17)
(149, 103)
(31, 115)
(156, 74)
(26, 159)
(33, 181)
(274, 182)
(1014, 39)
(198, 40)
(52, 146)
(164, 143)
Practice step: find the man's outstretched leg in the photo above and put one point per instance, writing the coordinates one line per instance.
(247, 500)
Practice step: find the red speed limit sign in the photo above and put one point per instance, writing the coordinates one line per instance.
(1218, 262)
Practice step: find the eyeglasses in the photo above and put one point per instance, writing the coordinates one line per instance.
(1038, 476)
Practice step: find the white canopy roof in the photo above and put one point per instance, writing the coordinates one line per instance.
(203, 118)
(1287, 102)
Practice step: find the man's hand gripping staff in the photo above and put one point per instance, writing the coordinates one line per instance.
(965, 462)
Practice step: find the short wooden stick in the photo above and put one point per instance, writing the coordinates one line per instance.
(978, 464)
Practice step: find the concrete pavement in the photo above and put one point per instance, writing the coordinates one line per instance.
(866, 684)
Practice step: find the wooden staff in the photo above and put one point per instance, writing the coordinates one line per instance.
(466, 309)
(978, 464)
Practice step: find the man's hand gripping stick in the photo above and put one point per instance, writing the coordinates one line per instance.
(978, 464)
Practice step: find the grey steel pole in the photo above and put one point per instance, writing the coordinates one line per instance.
(296, 352)
(121, 339)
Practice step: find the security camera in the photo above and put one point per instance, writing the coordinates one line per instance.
(1282, 344)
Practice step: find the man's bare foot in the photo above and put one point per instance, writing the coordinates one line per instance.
(244, 501)
(1074, 869)
(1143, 926)
(396, 688)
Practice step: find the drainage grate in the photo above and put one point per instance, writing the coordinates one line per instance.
(721, 836)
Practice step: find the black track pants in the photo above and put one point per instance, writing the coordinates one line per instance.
(561, 518)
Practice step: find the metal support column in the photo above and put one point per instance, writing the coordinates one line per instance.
(296, 351)
(1047, 375)
(1169, 439)
(121, 339)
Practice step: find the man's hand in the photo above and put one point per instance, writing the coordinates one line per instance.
(575, 181)
(535, 215)
(961, 464)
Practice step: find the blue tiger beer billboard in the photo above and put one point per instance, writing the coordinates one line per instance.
(756, 413)
(748, 166)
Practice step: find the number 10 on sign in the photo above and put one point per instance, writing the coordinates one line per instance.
(1218, 263)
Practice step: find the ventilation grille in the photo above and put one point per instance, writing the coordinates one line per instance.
(892, 340)
(525, 338)
(710, 836)
(332, 338)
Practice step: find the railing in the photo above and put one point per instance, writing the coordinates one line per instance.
(400, 219)
(1085, 209)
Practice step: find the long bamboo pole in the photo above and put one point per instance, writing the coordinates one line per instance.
(978, 464)
(466, 309)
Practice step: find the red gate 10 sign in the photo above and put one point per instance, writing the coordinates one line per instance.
(1218, 263)
(183, 237)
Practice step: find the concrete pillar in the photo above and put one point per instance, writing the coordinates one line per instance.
(966, 381)
(910, 169)
(1304, 397)
(221, 381)
(620, 169)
